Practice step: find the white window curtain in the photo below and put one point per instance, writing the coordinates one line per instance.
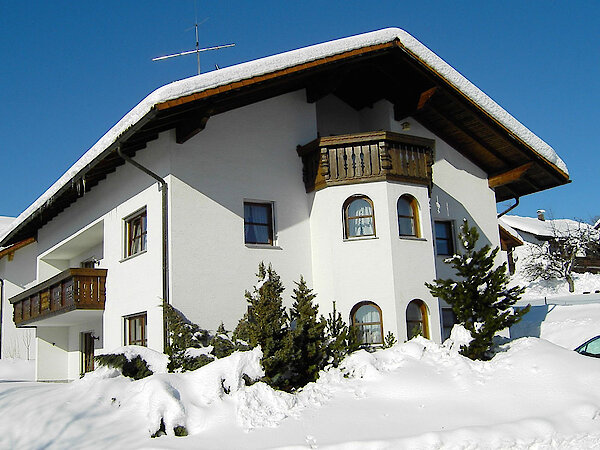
(358, 224)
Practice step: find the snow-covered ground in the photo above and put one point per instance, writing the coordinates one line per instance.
(534, 394)
(584, 282)
(17, 370)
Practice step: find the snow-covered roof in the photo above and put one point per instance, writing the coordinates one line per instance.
(5, 222)
(510, 230)
(294, 58)
(545, 228)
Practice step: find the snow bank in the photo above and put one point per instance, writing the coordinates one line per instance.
(567, 326)
(17, 369)
(540, 289)
(419, 394)
(157, 361)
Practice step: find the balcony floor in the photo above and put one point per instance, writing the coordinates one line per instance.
(70, 318)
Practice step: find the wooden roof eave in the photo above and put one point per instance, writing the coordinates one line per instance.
(555, 169)
(274, 75)
(14, 247)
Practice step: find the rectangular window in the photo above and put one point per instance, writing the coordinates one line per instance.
(258, 223)
(444, 238)
(135, 330)
(448, 321)
(136, 229)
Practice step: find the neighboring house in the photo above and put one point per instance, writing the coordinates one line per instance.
(509, 240)
(539, 230)
(352, 163)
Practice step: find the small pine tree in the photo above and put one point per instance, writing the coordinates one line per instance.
(305, 342)
(390, 340)
(342, 340)
(221, 343)
(265, 323)
(480, 299)
(183, 335)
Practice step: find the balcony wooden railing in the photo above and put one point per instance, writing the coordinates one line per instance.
(365, 157)
(69, 290)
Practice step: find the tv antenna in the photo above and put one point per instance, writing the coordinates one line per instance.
(197, 50)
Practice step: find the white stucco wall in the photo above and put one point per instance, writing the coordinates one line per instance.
(245, 154)
(460, 190)
(249, 154)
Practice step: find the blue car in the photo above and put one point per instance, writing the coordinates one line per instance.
(590, 348)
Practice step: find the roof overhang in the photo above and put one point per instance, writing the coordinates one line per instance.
(361, 70)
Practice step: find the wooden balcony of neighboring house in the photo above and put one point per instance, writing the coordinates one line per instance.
(589, 264)
(72, 296)
(366, 157)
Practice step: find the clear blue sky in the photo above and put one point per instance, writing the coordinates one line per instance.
(71, 70)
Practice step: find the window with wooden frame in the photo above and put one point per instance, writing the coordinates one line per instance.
(258, 223)
(416, 319)
(444, 238)
(367, 318)
(136, 230)
(135, 330)
(359, 217)
(408, 216)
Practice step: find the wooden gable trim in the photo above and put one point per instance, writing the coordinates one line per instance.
(454, 89)
(269, 76)
(507, 240)
(10, 251)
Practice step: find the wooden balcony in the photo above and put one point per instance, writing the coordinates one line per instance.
(366, 157)
(72, 289)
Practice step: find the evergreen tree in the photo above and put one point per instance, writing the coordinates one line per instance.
(480, 298)
(342, 340)
(183, 335)
(305, 341)
(265, 324)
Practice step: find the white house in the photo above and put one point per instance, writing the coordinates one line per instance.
(351, 162)
(536, 231)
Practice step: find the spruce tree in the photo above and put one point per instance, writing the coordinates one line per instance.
(342, 339)
(305, 341)
(183, 334)
(266, 323)
(479, 296)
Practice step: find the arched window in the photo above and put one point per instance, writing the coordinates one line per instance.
(416, 319)
(366, 317)
(408, 216)
(359, 217)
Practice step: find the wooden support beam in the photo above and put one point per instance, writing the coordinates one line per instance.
(10, 251)
(468, 133)
(509, 176)
(190, 127)
(412, 103)
(425, 97)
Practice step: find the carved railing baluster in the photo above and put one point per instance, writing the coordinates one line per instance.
(365, 157)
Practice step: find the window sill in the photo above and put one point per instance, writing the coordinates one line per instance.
(264, 246)
(412, 238)
(133, 256)
(361, 238)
